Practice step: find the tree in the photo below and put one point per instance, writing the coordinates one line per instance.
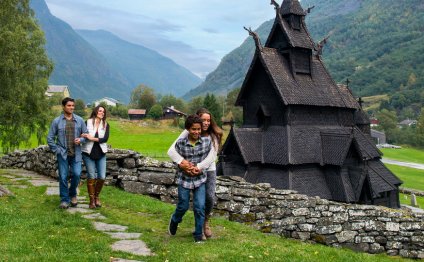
(194, 104)
(420, 129)
(143, 97)
(119, 111)
(387, 119)
(24, 73)
(210, 103)
(155, 112)
(236, 111)
(80, 108)
(171, 100)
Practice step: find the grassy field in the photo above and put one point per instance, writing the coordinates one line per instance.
(404, 154)
(406, 200)
(151, 138)
(373, 102)
(32, 228)
(411, 177)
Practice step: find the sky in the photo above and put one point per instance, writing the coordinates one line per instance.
(195, 34)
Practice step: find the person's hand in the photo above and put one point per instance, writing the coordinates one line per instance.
(84, 135)
(195, 170)
(185, 165)
(77, 141)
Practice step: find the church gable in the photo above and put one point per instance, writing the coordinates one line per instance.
(258, 94)
(277, 39)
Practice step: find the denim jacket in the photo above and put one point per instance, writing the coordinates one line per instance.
(56, 139)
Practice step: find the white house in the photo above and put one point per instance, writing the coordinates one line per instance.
(109, 101)
(407, 122)
(62, 90)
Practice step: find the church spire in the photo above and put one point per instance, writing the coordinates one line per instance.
(292, 7)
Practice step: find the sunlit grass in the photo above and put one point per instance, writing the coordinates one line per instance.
(32, 228)
(405, 154)
(406, 200)
(411, 177)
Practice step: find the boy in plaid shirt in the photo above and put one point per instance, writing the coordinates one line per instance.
(193, 148)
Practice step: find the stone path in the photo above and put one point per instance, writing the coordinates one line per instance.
(127, 241)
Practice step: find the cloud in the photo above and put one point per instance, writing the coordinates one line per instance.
(195, 34)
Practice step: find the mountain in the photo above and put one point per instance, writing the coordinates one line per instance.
(141, 65)
(377, 44)
(76, 63)
(97, 64)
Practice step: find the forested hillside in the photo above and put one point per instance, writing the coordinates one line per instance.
(378, 45)
(76, 63)
(100, 64)
(141, 65)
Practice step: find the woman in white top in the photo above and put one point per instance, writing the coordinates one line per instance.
(94, 154)
(211, 129)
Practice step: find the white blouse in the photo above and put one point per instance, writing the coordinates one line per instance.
(207, 164)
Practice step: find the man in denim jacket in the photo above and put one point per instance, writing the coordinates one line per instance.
(64, 139)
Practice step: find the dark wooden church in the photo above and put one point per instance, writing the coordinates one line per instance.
(301, 130)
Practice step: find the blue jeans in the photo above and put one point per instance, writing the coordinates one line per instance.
(198, 207)
(64, 165)
(95, 165)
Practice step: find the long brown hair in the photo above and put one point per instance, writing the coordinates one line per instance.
(94, 114)
(213, 130)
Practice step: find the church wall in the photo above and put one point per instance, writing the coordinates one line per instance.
(311, 115)
(276, 177)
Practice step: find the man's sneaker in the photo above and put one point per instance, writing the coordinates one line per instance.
(198, 240)
(172, 228)
(63, 205)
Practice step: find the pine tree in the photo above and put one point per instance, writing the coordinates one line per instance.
(24, 72)
(210, 103)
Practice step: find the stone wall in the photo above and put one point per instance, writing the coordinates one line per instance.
(371, 229)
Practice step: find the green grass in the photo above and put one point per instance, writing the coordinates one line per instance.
(406, 200)
(404, 154)
(32, 228)
(411, 177)
(147, 137)
(373, 102)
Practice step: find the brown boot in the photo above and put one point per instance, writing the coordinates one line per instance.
(206, 227)
(91, 189)
(99, 186)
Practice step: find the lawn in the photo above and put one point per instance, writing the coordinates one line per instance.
(404, 154)
(406, 200)
(32, 228)
(411, 177)
(151, 138)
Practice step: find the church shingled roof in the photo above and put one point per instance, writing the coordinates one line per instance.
(317, 89)
(291, 7)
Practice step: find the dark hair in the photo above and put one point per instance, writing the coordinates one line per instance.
(94, 114)
(66, 100)
(192, 119)
(214, 130)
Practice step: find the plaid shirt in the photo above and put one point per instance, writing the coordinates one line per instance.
(70, 136)
(195, 154)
